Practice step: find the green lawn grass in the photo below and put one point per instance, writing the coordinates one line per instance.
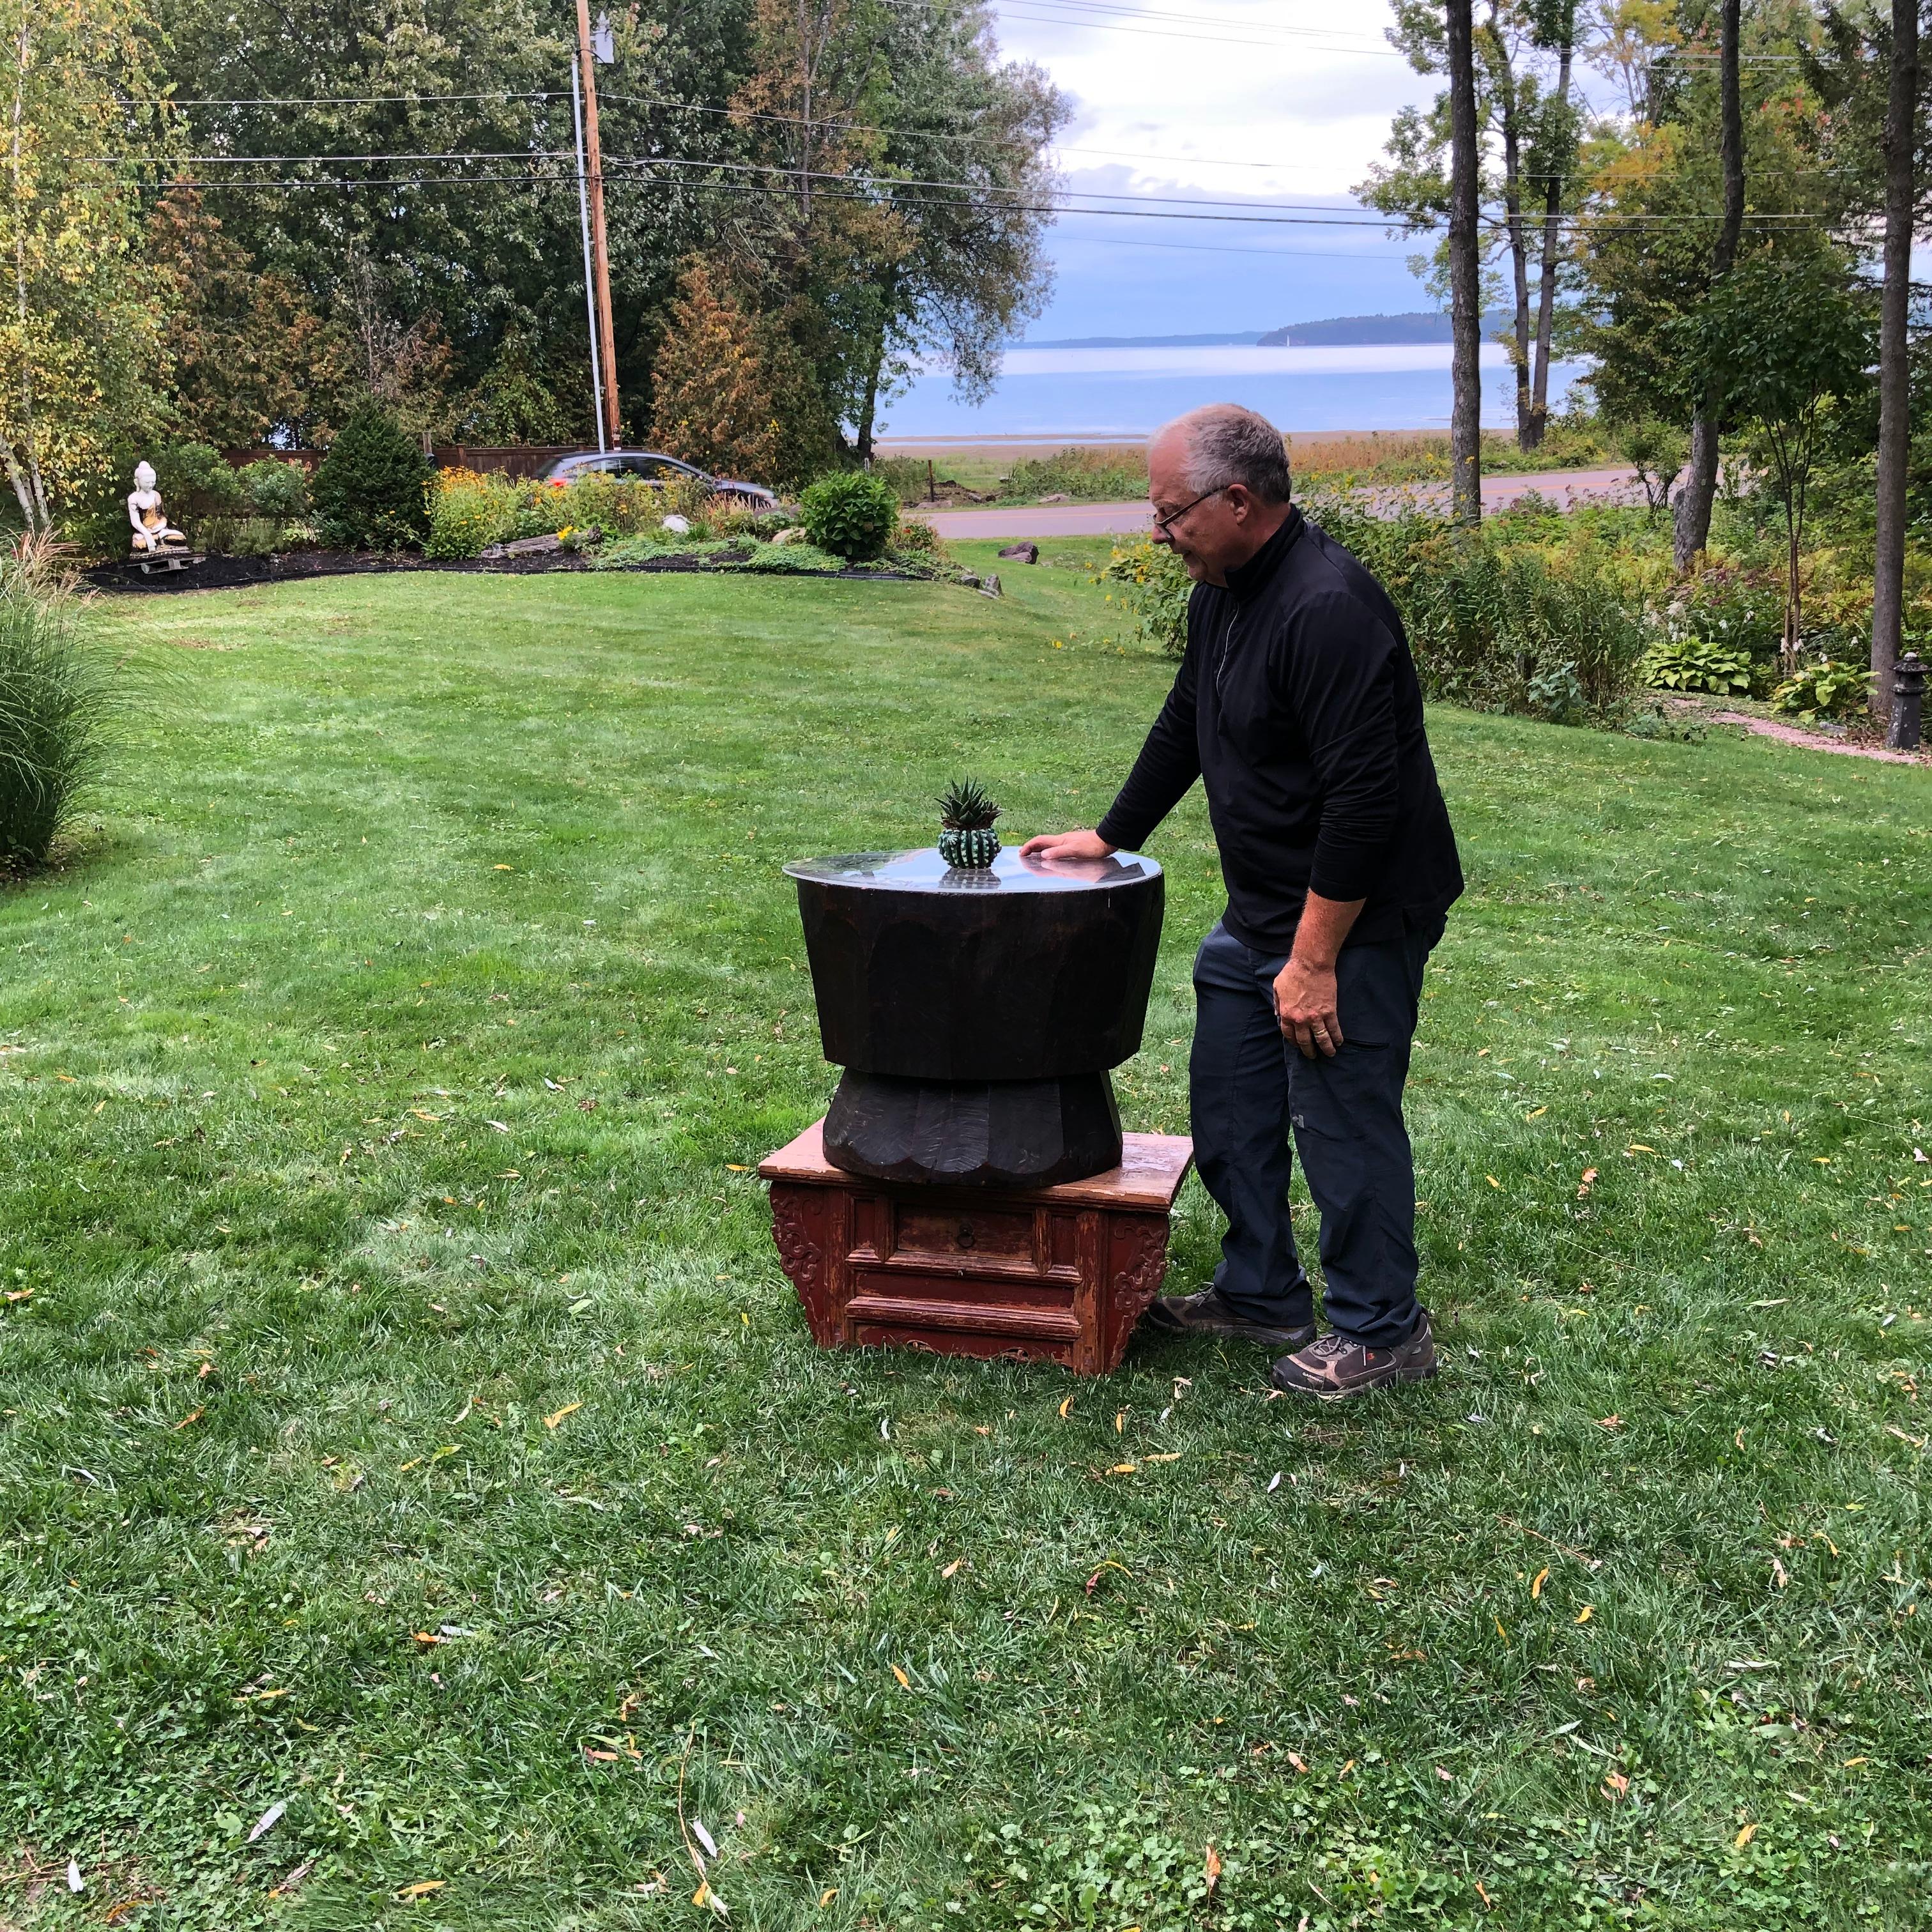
(406, 1420)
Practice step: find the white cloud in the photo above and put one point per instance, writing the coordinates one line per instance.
(1252, 96)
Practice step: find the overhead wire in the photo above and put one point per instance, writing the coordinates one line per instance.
(631, 172)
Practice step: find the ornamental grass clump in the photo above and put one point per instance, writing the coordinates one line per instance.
(58, 698)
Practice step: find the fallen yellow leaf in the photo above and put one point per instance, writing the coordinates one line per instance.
(1171, 1456)
(736, 1167)
(1536, 1589)
(1536, 1113)
(423, 1889)
(1637, 1147)
(193, 1415)
(503, 868)
(1584, 1186)
(905, 1682)
(1120, 1422)
(702, 1896)
(1065, 1406)
(826, 1897)
(1121, 1469)
(1588, 1611)
(1500, 1631)
(1492, 1181)
(1213, 1867)
(1744, 1837)
(569, 1408)
(952, 1567)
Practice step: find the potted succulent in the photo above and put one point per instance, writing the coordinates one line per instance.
(967, 839)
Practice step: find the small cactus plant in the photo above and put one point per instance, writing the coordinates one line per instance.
(967, 839)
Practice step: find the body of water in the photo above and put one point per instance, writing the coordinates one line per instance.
(1129, 392)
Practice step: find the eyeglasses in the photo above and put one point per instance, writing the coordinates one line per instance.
(1166, 524)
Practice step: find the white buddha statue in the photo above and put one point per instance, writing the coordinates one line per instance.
(153, 532)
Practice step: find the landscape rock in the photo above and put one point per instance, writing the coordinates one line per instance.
(679, 527)
(794, 534)
(1026, 553)
(990, 588)
(1058, 496)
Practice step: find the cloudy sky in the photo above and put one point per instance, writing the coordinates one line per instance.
(1243, 102)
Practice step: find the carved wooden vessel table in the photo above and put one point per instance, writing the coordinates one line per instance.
(1059, 1274)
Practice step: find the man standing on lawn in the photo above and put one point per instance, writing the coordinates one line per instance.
(1297, 704)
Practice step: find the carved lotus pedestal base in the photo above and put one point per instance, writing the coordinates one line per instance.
(1059, 1274)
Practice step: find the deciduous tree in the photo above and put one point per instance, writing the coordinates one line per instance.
(80, 333)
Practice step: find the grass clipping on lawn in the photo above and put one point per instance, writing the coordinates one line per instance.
(408, 1422)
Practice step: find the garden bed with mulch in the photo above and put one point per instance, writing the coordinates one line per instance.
(235, 573)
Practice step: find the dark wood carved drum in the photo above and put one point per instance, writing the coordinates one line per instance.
(977, 1013)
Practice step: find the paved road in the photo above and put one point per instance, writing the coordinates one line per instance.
(1564, 487)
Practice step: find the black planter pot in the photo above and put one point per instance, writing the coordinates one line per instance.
(977, 1013)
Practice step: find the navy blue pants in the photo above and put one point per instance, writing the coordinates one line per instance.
(1248, 1085)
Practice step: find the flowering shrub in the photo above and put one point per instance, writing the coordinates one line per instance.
(467, 512)
(1153, 586)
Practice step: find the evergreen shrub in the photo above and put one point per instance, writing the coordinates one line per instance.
(372, 491)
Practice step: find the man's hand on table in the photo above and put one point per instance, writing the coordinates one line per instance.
(1068, 845)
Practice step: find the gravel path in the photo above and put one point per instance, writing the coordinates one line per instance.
(1565, 487)
(1790, 734)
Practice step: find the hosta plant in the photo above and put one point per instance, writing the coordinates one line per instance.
(1825, 688)
(967, 839)
(1685, 663)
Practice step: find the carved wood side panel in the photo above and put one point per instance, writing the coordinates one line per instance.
(1137, 1265)
(799, 1226)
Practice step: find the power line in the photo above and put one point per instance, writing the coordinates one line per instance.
(890, 187)
(636, 177)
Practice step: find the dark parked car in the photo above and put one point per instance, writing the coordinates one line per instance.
(653, 467)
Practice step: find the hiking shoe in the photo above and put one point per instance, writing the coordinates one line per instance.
(1335, 1367)
(1207, 1314)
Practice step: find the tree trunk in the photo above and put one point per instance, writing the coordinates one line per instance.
(21, 470)
(1553, 215)
(1894, 367)
(1518, 248)
(1700, 486)
(1465, 418)
(868, 411)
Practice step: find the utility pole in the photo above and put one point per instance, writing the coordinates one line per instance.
(600, 251)
(589, 280)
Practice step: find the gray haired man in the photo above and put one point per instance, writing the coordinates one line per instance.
(1297, 705)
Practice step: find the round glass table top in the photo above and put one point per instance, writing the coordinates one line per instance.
(924, 870)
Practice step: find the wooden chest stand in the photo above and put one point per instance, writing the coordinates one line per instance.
(1061, 1274)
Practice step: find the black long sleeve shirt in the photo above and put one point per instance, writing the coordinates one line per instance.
(1297, 704)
